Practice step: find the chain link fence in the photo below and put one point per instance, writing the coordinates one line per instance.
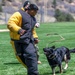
(45, 13)
(46, 9)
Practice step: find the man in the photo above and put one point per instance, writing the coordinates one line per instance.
(21, 25)
(25, 6)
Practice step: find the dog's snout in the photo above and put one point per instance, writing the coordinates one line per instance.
(44, 49)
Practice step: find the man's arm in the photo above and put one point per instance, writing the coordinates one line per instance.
(35, 36)
(34, 33)
(13, 23)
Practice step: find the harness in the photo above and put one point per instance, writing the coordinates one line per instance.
(26, 18)
(28, 23)
(52, 56)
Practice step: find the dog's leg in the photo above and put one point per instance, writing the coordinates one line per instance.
(53, 70)
(66, 61)
(61, 70)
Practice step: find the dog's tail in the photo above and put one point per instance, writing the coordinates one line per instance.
(68, 54)
(72, 50)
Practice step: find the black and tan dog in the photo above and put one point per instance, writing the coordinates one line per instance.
(56, 56)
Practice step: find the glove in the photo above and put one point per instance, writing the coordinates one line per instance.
(21, 31)
(37, 25)
(36, 41)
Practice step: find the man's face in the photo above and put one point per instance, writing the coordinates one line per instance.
(33, 12)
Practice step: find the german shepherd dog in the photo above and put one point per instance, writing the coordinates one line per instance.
(56, 56)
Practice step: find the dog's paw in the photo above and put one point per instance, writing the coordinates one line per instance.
(61, 71)
(66, 66)
(53, 74)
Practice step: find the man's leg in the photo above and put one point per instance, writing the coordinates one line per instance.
(19, 53)
(30, 59)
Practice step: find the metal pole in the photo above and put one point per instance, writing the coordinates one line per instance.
(0, 2)
(45, 8)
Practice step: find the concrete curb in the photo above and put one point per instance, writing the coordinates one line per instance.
(4, 30)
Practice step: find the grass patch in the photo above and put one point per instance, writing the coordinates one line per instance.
(3, 26)
(9, 65)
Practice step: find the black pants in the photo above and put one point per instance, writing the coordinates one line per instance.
(27, 54)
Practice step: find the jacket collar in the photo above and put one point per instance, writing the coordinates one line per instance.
(22, 9)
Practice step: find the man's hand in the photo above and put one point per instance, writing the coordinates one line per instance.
(36, 41)
(21, 31)
(37, 25)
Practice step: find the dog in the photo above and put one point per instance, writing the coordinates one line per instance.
(56, 56)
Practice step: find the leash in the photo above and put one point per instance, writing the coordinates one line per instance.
(61, 38)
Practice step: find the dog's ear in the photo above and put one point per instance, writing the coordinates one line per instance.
(53, 47)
